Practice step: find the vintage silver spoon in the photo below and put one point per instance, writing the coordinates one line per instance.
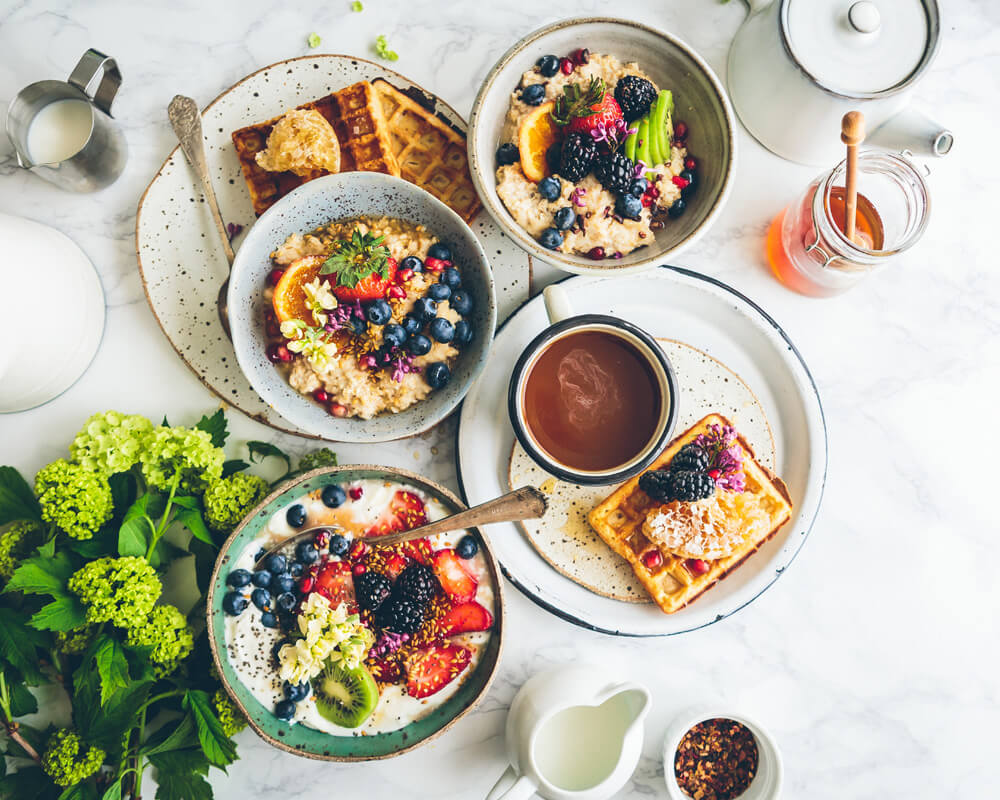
(524, 503)
(185, 119)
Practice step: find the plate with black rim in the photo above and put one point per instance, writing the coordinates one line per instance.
(700, 311)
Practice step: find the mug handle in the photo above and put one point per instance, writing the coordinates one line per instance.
(511, 787)
(87, 69)
(557, 303)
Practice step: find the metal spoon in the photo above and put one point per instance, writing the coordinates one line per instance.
(524, 503)
(185, 119)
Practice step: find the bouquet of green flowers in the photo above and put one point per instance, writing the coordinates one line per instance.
(83, 556)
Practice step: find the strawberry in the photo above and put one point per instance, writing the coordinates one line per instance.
(458, 584)
(466, 617)
(371, 287)
(387, 670)
(419, 550)
(582, 109)
(607, 113)
(394, 564)
(405, 512)
(430, 669)
(334, 582)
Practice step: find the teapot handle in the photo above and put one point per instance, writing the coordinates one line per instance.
(87, 69)
(510, 787)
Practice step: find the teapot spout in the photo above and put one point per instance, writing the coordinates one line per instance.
(914, 131)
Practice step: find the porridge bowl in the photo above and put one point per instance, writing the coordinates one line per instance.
(361, 308)
(691, 159)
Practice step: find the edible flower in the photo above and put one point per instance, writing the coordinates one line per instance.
(613, 134)
(577, 197)
(319, 299)
(388, 642)
(725, 457)
(329, 635)
(402, 364)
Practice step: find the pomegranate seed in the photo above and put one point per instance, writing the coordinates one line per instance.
(320, 396)
(392, 262)
(596, 253)
(396, 291)
(679, 182)
(274, 276)
(696, 566)
(355, 492)
(680, 131)
(435, 264)
(404, 275)
(646, 200)
(652, 559)
(580, 56)
(714, 474)
(338, 410)
(273, 328)
(357, 551)
(566, 66)
(306, 585)
(690, 163)
(278, 353)
(359, 569)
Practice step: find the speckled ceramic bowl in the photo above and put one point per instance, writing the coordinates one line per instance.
(337, 197)
(309, 742)
(699, 99)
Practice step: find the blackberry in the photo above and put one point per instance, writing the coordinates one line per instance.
(576, 156)
(656, 483)
(688, 486)
(371, 589)
(400, 615)
(616, 171)
(635, 95)
(417, 583)
(691, 457)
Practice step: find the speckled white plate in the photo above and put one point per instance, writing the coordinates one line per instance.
(566, 540)
(670, 303)
(182, 264)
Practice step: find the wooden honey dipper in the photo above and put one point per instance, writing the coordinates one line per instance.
(852, 133)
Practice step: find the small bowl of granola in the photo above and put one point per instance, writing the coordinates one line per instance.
(361, 308)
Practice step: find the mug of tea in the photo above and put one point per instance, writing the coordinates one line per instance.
(593, 398)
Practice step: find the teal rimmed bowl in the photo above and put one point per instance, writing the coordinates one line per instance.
(308, 742)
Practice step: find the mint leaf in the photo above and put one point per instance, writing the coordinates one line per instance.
(233, 466)
(215, 426)
(17, 501)
(18, 645)
(179, 775)
(261, 450)
(41, 575)
(218, 748)
(111, 666)
(62, 614)
(22, 701)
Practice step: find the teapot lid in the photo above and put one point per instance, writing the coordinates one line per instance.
(860, 48)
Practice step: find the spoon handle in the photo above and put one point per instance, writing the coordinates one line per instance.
(186, 122)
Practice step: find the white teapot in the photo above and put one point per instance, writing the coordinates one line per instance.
(797, 66)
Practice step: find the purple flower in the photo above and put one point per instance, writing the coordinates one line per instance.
(388, 642)
(724, 455)
(577, 197)
(640, 168)
(402, 364)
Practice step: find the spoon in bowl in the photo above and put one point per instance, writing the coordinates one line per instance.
(185, 119)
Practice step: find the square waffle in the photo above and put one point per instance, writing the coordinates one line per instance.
(357, 119)
(430, 152)
(618, 521)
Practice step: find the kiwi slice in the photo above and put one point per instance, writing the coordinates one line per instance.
(642, 146)
(345, 696)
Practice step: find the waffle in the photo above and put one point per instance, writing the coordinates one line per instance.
(618, 521)
(430, 152)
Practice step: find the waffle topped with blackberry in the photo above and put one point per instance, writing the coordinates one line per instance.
(705, 505)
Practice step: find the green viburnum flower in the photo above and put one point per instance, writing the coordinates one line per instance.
(74, 641)
(228, 500)
(229, 715)
(165, 633)
(313, 40)
(110, 442)
(324, 457)
(184, 452)
(74, 499)
(67, 760)
(121, 591)
(16, 542)
(382, 49)
(357, 6)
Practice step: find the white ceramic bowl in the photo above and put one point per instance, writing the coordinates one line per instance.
(699, 99)
(337, 197)
(766, 784)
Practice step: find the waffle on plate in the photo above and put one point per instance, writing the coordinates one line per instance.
(674, 581)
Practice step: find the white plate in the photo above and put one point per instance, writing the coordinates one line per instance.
(678, 304)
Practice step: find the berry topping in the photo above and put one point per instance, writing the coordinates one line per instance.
(268, 620)
(580, 56)
(628, 206)
(688, 176)
(306, 552)
(564, 218)
(635, 96)
(566, 66)
(282, 583)
(284, 710)
(551, 239)
(371, 589)
(467, 547)
(652, 559)
(458, 584)
(296, 516)
(274, 276)
(533, 94)
(549, 188)
(278, 353)
(261, 598)
(419, 345)
(417, 583)
(638, 187)
(690, 163)
(680, 131)
(239, 578)
(411, 263)
(440, 251)
(441, 329)
(438, 375)
(697, 566)
(334, 582)
(394, 335)
(234, 604)
(439, 292)
(507, 154)
(691, 457)
(584, 108)
(430, 669)
(576, 156)
(451, 278)
(689, 486)
(465, 618)
(295, 693)
(461, 301)
(595, 253)
(678, 208)
(400, 615)
(616, 172)
(339, 544)
(463, 333)
(355, 492)
(378, 312)
(436, 264)
(548, 66)
(286, 601)
(261, 578)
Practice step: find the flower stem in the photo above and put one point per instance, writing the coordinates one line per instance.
(165, 519)
(11, 725)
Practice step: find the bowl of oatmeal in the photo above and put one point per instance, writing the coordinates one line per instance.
(602, 145)
(361, 308)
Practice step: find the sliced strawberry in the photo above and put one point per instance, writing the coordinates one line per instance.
(466, 617)
(394, 564)
(334, 581)
(607, 113)
(371, 287)
(420, 550)
(405, 512)
(430, 669)
(458, 584)
(387, 670)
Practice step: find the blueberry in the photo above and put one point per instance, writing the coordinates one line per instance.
(296, 569)
(306, 552)
(412, 262)
(678, 208)
(261, 578)
(287, 620)
(276, 647)
(333, 496)
(286, 601)
(419, 345)
(239, 578)
(463, 333)
(507, 154)
(438, 375)
(359, 326)
(551, 239)
(533, 94)
(451, 278)
(234, 604)
(339, 544)
(425, 308)
(411, 325)
(441, 329)
(440, 251)
(296, 516)
(284, 710)
(378, 312)
(439, 292)
(261, 598)
(629, 206)
(689, 176)
(564, 219)
(393, 334)
(268, 620)
(461, 301)
(548, 65)
(638, 187)
(282, 583)
(276, 563)
(549, 188)
(467, 547)
(259, 556)
(296, 693)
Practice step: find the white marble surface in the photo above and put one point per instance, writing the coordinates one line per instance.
(875, 659)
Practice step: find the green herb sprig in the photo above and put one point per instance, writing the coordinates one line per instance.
(577, 101)
(354, 259)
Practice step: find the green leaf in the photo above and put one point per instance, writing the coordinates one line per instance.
(214, 426)
(218, 747)
(41, 575)
(261, 450)
(133, 536)
(194, 522)
(48, 549)
(79, 791)
(182, 737)
(111, 666)
(22, 701)
(62, 614)
(233, 466)
(113, 792)
(180, 775)
(104, 726)
(354, 260)
(19, 645)
(28, 781)
(17, 501)
(204, 562)
(102, 543)
(123, 490)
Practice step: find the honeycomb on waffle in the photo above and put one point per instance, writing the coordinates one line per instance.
(430, 153)
(618, 520)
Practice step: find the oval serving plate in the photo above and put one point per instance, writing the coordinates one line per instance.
(311, 743)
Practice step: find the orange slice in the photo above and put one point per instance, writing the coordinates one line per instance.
(289, 297)
(535, 136)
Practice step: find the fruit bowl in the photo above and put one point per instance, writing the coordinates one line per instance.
(700, 101)
(308, 741)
